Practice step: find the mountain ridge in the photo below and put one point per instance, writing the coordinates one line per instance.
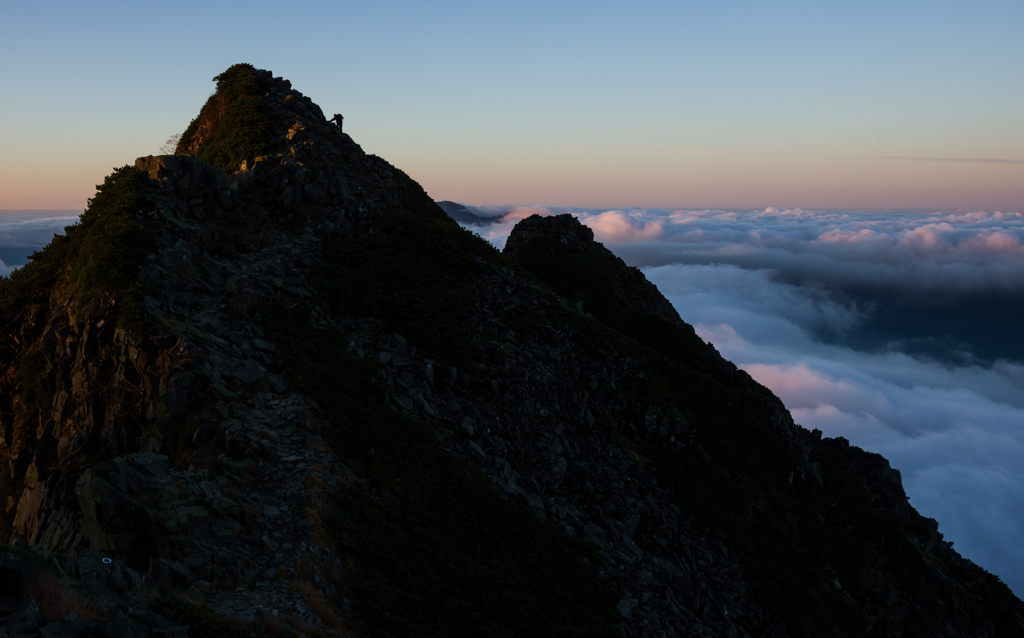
(227, 412)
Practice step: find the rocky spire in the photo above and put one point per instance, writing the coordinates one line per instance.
(556, 238)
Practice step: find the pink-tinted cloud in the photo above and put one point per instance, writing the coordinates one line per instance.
(920, 252)
(616, 225)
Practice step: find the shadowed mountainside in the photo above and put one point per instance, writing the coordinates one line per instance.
(268, 378)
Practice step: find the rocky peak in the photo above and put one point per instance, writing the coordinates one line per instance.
(288, 386)
(551, 236)
(561, 243)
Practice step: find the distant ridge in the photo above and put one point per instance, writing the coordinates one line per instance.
(464, 215)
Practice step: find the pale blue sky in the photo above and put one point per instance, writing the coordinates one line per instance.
(602, 104)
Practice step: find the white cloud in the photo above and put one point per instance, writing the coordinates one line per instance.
(34, 233)
(966, 253)
(19, 238)
(616, 225)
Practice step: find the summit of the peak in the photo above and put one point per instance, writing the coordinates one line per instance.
(251, 114)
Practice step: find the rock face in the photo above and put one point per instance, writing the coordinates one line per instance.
(563, 235)
(192, 451)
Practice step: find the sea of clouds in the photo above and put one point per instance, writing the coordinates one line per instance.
(24, 232)
(898, 331)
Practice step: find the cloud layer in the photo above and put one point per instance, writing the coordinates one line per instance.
(826, 308)
(20, 238)
(969, 252)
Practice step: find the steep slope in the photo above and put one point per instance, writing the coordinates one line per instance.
(824, 529)
(270, 373)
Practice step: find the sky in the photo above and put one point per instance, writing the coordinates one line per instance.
(740, 153)
(811, 304)
(593, 104)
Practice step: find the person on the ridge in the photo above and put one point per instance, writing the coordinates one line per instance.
(337, 119)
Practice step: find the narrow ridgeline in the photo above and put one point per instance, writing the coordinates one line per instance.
(265, 386)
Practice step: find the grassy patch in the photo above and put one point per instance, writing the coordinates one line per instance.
(55, 599)
(233, 126)
(22, 553)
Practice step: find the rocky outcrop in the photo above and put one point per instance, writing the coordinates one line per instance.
(630, 291)
(188, 454)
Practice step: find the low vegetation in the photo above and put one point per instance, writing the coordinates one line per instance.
(101, 253)
(233, 126)
(54, 598)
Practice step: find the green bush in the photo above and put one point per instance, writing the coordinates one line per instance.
(233, 126)
(102, 252)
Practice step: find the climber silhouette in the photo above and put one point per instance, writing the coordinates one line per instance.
(337, 119)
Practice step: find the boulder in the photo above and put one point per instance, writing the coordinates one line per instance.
(24, 621)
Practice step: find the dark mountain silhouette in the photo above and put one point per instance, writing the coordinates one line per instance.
(269, 379)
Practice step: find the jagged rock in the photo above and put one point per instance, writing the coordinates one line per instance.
(190, 178)
(160, 626)
(25, 621)
(65, 630)
(181, 392)
(561, 234)
(112, 520)
(168, 572)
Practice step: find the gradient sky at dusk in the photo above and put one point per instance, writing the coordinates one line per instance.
(600, 104)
